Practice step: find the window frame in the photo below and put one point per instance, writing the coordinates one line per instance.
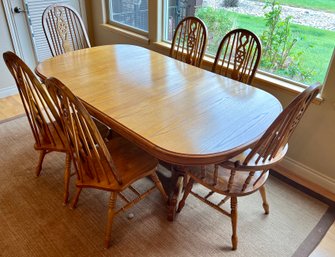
(292, 85)
(164, 21)
(154, 39)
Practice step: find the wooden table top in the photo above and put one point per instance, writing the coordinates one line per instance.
(177, 112)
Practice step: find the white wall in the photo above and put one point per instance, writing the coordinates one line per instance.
(7, 84)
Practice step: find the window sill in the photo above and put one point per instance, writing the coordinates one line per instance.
(126, 33)
(260, 78)
(277, 83)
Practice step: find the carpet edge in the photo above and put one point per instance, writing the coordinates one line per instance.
(12, 118)
(317, 234)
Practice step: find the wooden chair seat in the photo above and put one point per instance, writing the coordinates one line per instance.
(131, 162)
(206, 177)
(254, 160)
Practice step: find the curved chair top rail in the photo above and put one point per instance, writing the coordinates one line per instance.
(189, 41)
(64, 29)
(238, 55)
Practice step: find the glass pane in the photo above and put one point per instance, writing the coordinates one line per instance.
(298, 37)
(133, 13)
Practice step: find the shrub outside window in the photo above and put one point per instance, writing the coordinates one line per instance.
(298, 37)
(130, 13)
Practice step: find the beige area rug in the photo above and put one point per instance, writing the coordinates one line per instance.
(33, 221)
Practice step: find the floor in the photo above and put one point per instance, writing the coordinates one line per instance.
(11, 106)
(327, 246)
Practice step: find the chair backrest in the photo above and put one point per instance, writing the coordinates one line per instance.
(276, 137)
(189, 41)
(64, 29)
(89, 152)
(269, 150)
(41, 113)
(238, 55)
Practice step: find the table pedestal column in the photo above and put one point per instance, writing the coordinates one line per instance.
(174, 186)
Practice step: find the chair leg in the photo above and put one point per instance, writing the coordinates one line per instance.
(265, 203)
(67, 176)
(159, 185)
(188, 189)
(40, 161)
(233, 206)
(76, 198)
(111, 214)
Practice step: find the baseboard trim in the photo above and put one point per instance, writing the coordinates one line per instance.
(307, 177)
(7, 91)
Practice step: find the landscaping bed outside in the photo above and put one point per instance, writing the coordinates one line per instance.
(311, 30)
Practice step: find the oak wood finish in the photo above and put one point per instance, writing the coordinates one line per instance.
(247, 172)
(178, 113)
(189, 41)
(326, 248)
(113, 167)
(10, 106)
(64, 29)
(43, 118)
(238, 55)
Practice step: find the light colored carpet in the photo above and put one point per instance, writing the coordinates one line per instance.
(33, 221)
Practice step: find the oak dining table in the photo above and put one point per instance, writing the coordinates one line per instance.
(181, 114)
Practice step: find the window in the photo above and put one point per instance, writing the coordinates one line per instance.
(131, 13)
(298, 37)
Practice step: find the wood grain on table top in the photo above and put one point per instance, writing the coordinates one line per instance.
(179, 113)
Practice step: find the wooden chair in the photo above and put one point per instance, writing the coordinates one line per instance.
(42, 115)
(189, 41)
(113, 167)
(65, 32)
(238, 55)
(64, 29)
(248, 171)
